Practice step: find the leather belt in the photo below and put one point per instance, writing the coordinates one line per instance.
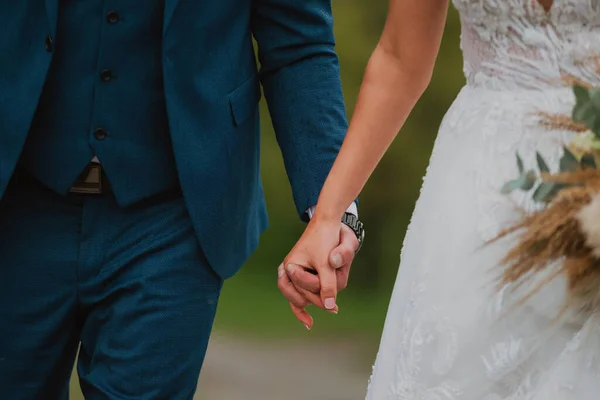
(91, 181)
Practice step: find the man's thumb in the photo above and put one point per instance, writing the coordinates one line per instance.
(344, 253)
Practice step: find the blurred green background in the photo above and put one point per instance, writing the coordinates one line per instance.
(251, 303)
(253, 320)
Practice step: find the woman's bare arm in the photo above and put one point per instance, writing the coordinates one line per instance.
(397, 74)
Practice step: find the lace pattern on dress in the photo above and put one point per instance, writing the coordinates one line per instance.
(510, 44)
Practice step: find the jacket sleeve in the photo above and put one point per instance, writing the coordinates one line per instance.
(301, 80)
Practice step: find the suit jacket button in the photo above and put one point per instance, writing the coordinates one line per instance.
(49, 44)
(100, 134)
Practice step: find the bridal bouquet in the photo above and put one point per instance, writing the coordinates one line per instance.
(563, 236)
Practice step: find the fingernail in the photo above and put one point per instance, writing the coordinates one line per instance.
(280, 272)
(337, 260)
(307, 327)
(290, 269)
(330, 303)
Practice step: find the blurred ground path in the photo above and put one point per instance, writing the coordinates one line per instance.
(303, 369)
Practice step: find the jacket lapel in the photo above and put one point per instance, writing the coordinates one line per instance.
(52, 11)
(170, 6)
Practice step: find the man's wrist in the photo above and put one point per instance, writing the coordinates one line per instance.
(352, 222)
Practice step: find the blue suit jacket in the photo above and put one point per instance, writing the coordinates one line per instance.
(212, 89)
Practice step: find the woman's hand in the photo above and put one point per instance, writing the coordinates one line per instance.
(317, 267)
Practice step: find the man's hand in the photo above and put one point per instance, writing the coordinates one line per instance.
(317, 268)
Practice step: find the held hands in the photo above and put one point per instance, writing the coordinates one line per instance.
(317, 268)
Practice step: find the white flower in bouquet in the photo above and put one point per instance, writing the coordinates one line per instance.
(585, 143)
(588, 219)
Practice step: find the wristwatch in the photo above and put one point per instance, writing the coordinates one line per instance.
(357, 227)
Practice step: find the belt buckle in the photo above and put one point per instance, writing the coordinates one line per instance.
(90, 181)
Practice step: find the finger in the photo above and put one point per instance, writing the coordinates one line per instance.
(328, 286)
(302, 316)
(301, 278)
(342, 275)
(286, 287)
(344, 253)
(313, 297)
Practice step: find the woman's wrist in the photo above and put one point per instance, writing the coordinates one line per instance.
(323, 215)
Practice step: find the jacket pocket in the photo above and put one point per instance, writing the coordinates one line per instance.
(244, 99)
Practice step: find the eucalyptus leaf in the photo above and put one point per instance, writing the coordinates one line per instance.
(568, 162)
(546, 191)
(582, 94)
(542, 165)
(583, 105)
(511, 186)
(520, 164)
(596, 127)
(524, 182)
(530, 180)
(592, 122)
(595, 98)
(587, 108)
(585, 114)
(588, 161)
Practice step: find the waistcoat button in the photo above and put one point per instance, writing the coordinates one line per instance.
(112, 17)
(105, 75)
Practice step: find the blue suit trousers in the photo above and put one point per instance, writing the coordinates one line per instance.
(131, 286)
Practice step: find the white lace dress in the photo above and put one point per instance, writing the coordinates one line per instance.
(449, 334)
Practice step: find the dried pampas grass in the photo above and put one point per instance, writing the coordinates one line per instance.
(564, 237)
(560, 122)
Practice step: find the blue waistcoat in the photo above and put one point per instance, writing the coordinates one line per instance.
(104, 97)
(211, 92)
